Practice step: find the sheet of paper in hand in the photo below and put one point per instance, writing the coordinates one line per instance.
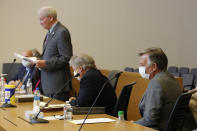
(30, 59)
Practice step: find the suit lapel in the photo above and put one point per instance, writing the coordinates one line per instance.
(142, 104)
(47, 40)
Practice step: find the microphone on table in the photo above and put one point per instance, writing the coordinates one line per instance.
(38, 120)
(106, 82)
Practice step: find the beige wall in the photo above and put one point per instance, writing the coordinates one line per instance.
(112, 31)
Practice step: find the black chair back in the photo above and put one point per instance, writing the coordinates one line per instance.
(123, 100)
(6, 68)
(115, 80)
(188, 80)
(194, 72)
(176, 119)
(183, 70)
(175, 74)
(128, 69)
(136, 70)
(172, 69)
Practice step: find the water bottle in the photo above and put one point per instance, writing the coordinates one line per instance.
(2, 89)
(29, 87)
(120, 123)
(0, 84)
(36, 103)
(68, 111)
(121, 115)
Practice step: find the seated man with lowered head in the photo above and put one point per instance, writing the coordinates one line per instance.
(91, 82)
(27, 69)
(162, 92)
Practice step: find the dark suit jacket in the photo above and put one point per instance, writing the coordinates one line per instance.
(21, 73)
(90, 85)
(158, 101)
(57, 52)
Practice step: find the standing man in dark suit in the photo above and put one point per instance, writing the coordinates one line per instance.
(162, 92)
(57, 51)
(91, 82)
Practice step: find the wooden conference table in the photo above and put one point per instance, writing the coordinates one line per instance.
(11, 119)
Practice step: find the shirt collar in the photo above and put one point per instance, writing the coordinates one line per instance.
(51, 29)
(27, 69)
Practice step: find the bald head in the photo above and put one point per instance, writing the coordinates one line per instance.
(27, 53)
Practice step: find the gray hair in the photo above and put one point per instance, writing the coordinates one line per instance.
(83, 60)
(48, 11)
(36, 53)
(156, 55)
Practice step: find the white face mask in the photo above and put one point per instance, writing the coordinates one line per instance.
(76, 77)
(26, 64)
(142, 71)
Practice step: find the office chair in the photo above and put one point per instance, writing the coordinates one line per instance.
(176, 119)
(6, 68)
(172, 69)
(175, 74)
(115, 80)
(183, 70)
(128, 69)
(194, 72)
(123, 100)
(136, 70)
(188, 80)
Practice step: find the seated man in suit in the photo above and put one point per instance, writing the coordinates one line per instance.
(91, 82)
(162, 92)
(26, 71)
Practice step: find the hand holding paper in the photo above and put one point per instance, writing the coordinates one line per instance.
(40, 63)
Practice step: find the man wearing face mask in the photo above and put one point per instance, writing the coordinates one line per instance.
(162, 92)
(91, 82)
(26, 71)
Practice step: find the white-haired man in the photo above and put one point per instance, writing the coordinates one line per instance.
(91, 82)
(57, 51)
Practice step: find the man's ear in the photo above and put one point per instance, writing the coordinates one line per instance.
(51, 18)
(80, 68)
(154, 65)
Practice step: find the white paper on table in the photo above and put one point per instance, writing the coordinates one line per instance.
(95, 120)
(56, 105)
(52, 105)
(42, 104)
(56, 117)
(25, 96)
(30, 59)
(45, 97)
(20, 92)
(50, 118)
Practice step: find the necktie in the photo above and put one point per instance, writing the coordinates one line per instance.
(46, 39)
(26, 75)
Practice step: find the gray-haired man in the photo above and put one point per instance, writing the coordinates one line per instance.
(91, 82)
(57, 51)
(162, 91)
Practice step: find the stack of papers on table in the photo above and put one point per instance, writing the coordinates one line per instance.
(94, 120)
(55, 117)
(52, 107)
(42, 104)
